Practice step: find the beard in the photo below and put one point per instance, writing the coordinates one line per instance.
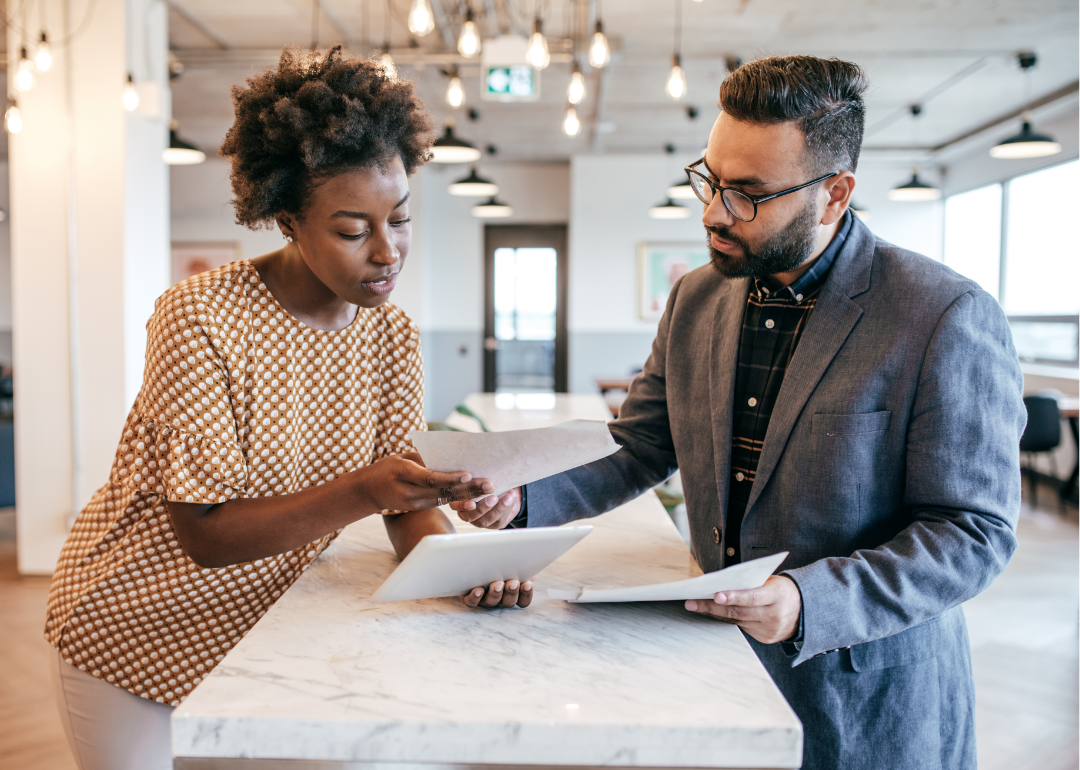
(783, 251)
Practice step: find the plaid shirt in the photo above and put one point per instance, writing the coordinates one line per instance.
(773, 322)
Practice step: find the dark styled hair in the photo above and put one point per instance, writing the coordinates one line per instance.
(318, 114)
(823, 96)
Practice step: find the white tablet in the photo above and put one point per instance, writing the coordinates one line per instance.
(452, 565)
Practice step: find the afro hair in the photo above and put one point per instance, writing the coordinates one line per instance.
(317, 115)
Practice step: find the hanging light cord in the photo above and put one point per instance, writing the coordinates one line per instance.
(678, 27)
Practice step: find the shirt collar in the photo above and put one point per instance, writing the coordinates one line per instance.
(810, 282)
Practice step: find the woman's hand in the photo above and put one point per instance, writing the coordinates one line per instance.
(501, 594)
(493, 512)
(402, 483)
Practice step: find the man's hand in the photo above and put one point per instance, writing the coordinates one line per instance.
(493, 512)
(770, 614)
(500, 594)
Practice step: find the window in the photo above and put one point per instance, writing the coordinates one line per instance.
(1042, 260)
(973, 236)
(1039, 261)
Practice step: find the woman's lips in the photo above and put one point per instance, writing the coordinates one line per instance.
(383, 285)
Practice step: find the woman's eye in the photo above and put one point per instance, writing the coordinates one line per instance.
(401, 222)
(351, 236)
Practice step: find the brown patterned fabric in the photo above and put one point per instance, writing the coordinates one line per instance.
(239, 400)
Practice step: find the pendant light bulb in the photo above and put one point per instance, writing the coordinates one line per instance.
(24, 76)
(13, 118)
(131, 95)
(455, 94)
(599, 50)
(571, 125)
(575, 92)
(676, 83)
(421, 18)
(468, 43)
(387, 61)
(537, 54)
(43, 57)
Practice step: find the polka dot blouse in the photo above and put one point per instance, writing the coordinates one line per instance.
(239, 400)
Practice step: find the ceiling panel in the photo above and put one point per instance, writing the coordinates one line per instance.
(959, 52)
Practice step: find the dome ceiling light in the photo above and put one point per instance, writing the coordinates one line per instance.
(492, 209)
(449, 149)
(179, 152)
(914, 191)
(474, 186)
(1026, 144)
(669, 210)
(681, 191)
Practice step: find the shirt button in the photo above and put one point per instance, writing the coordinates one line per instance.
(740, 476)
(730, 551)
(716, 534)
(770, 324)
(752, 402)
(798, 298)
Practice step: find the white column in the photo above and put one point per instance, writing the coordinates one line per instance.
(89, 230)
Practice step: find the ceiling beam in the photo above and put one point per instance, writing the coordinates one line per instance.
(198, 24)
(443, 26)
(1043, 101)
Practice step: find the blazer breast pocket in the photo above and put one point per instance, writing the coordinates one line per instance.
(851, 424)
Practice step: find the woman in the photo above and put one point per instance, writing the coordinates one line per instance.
(265, 380)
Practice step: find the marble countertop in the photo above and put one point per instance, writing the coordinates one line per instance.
(329, 675)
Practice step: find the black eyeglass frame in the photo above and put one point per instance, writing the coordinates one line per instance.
(755, 199)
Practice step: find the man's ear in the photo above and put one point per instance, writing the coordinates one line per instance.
(839, 189)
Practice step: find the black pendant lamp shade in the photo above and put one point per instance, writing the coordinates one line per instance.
(474, 186)
(1026, 144)
(914, 191)
(179, 152)
(449, 149)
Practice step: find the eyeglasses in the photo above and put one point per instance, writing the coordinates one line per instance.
(741, 205)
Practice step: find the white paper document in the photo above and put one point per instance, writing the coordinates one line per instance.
(749, 574)
(515, 457)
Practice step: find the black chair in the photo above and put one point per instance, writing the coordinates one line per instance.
(1042, 434)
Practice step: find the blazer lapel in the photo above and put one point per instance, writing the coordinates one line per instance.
(726, 330)
(832, 320)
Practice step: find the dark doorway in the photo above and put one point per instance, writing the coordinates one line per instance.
(525, 308)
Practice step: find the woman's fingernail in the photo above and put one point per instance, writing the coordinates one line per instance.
(512, 585)
(478, 592)
(691, 605)
(465, 477)
(720, 598)
(491, 502)
(527, 585)
(489, 487)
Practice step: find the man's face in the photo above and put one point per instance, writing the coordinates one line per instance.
(760, 159)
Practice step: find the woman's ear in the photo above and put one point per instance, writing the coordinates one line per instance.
(287, 225)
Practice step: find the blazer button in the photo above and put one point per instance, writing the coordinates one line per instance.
(716, 534)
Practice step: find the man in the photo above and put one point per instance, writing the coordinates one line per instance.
(831, 395)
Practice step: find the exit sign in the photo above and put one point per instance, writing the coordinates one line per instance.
(511, 83)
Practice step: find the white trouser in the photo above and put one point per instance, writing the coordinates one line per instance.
(109, 728)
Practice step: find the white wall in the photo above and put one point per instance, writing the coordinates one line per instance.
(89, 227)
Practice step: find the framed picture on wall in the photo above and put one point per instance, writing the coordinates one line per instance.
(660, 265)
(191, 258)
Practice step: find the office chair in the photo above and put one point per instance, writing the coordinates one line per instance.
(1042, 434)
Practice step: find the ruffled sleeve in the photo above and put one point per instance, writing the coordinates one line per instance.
(402, 403)
(181, 438)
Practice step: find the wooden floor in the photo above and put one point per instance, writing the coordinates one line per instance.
(1024, 638)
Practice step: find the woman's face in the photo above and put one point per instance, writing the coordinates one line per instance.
(355, 232)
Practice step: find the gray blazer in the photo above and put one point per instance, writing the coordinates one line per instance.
(890, 471)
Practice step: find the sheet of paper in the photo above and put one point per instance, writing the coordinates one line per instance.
(515, 457)
(749, 574)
